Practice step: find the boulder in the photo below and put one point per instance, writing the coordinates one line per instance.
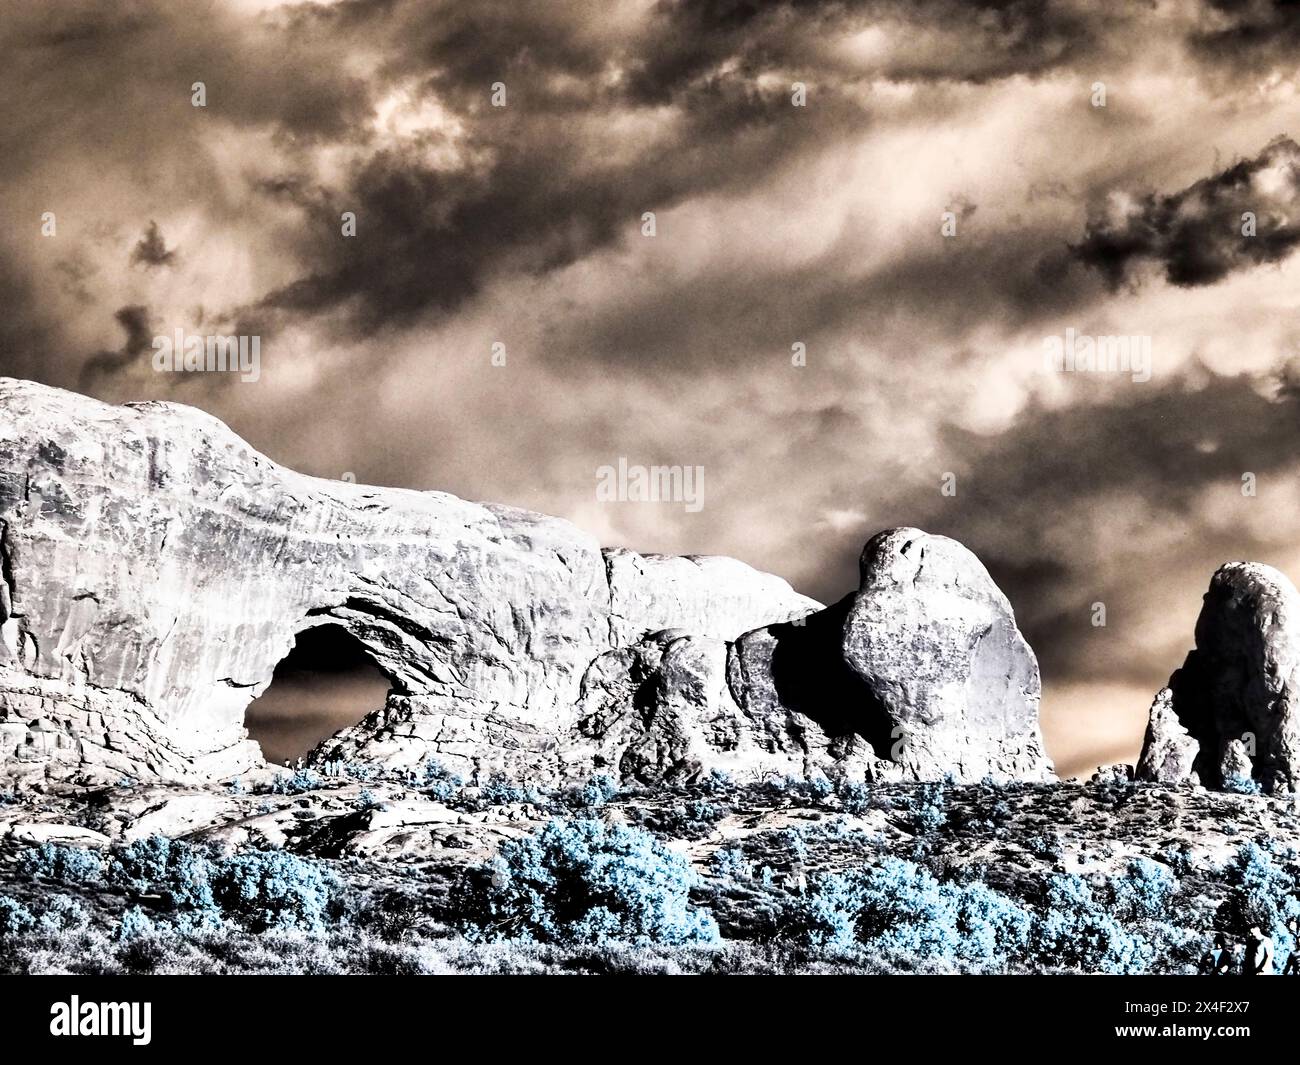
(1236, 694)
(1168, 749)
(936, 642)
(921, 673)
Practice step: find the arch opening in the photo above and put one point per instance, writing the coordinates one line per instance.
(325, 683)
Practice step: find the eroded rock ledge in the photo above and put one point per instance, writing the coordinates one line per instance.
(155, 569)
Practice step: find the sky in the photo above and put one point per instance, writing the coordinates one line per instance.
(917, 195)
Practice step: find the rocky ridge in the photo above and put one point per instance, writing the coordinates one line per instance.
(156, 569)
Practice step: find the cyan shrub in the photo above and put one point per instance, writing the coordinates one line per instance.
(15, 918)
(1178, 856)
(905, 911)
(691, 820)
(715, 782)
(1262, 892)
(729, 863)
(300, 781)
(898, 908)
(599, 790)
(1143, 893)
(501, 791)
(274, 889)
(66, 865)
(439, 781)
(363, 772)
(156, 865)
(62, 913)
(811, 790)
(927, 807)
(1047, 845)
(1076, 931)
(135, 924)
(854, 798)
(583, 882)
(826, 916)
(993, 927)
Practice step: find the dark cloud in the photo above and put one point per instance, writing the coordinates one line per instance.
(1258, 36)
(538, 186)
(151, 249)
(1024, 495)
(134, 321)
(1196, 234)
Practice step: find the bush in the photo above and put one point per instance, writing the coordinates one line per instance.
(1178, 856)
(793, 843)
(66, 865)
(363, 772)
(583, 882)
(904, 910)
(729, 863)
(176, 871)
(825, 916)
(274, 889)
(715, 782)
(812, 790)
(1143, 893)
(302, 780)
(1075, 931)
(599, 790)
(926, 808)
(1262, 892)
(501, 791)
(15, 918)
(854, 798)
(1046, 845)
(135, 924)
(897, 908)
(439, 781)
(1241, 785)
(63, 913)
(689, 821)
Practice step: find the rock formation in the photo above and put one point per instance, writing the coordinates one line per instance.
(156, 569)
(935, 640)
(1231, 711)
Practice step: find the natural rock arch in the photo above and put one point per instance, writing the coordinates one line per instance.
(328, 681)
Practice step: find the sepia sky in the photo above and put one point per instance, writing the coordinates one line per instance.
(774, 225)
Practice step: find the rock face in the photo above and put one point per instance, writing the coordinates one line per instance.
(920, 673)
(936, 642)
(156, 569)
(1231, 710)
(1168, 749)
